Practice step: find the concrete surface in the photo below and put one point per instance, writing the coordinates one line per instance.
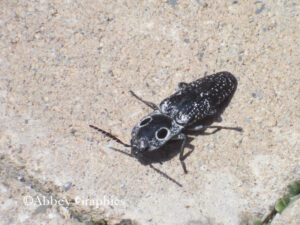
(67, 64)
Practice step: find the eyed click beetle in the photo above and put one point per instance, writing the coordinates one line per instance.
(194, 107)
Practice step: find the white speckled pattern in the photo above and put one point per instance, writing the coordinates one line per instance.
(200, 98)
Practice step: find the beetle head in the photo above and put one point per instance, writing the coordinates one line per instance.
(151, 133)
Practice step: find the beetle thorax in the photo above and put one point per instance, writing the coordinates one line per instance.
(153, 131)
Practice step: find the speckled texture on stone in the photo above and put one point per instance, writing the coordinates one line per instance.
(18, 193)
(67, 64)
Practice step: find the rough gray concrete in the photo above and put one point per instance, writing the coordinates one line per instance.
(67, 64)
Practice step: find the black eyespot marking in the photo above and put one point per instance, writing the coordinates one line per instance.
(145, 121)
(162, 133)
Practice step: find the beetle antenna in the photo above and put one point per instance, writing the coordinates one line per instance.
(165, 175)
(107, 134)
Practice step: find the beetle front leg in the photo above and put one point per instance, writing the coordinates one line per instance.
(150, 104)
(181, 156)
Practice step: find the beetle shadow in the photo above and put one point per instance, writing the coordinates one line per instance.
(166, 152)
(173, 147)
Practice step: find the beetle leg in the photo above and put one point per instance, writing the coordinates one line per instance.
(181, 156)
(201, 127)
(239, 129)
(196, 128)
(150, 104)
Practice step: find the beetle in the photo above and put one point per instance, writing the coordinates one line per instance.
(194, 107)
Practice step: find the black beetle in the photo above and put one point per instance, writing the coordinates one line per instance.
(192, 108)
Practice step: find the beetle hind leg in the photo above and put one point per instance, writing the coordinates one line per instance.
(217, 128)
(239, 129)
